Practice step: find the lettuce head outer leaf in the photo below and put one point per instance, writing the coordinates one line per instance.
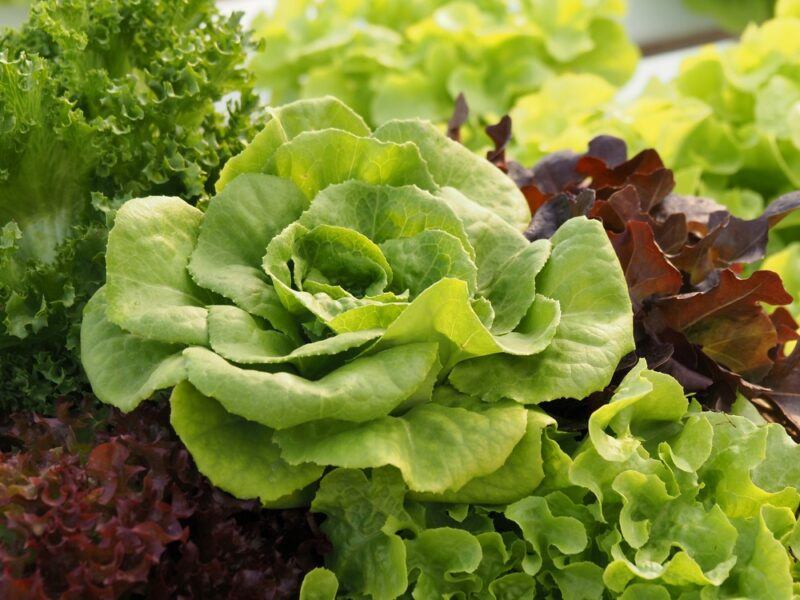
(324, 297)
(596, 316)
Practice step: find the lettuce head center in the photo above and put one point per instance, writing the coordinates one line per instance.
(342, 257)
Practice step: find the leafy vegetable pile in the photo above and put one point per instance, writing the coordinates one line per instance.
(357, 321)
(106, 505)
(400, 59)
(340, 304)
(660, 500)
(99, 101)
(478, 382)
(695, 317)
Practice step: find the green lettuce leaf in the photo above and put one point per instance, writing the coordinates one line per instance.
(660, 500)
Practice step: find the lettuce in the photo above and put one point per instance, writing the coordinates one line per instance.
(355, 298)
(99, 101)
(727, 125)
(401, 59)
(659, 500)
(734, 16)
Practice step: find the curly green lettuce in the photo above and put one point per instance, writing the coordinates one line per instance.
(399, 59)
(660, 500)
(355, 298)
(99, 101)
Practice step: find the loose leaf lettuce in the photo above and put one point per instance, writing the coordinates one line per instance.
(659, 500)
(313, 316)
(697, 316)
(99, 101)
(396, 59)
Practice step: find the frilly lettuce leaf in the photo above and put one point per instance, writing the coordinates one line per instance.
(660, 500)
(326, 295)
(98, 103)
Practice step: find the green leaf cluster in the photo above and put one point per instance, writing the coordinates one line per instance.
(660, 500)
(360, 299)
(100, 101)
(395, 59)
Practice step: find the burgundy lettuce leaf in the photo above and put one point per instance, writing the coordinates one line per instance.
(696, 317)
(458, 119)
(114, 507)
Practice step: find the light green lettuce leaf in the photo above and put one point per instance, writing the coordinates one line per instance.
(383, 212)
(238, 456)
(544, 532)
(364, 515)
(148, 289)
(348, 156)
(519, 476)
(364, 389)
(435, 447)
(238, 224)
(319, 584)
(124, 368)
(763, 565)
(644, 398)
(285, 123)
(420, 261)
(593, 334)
(706, 535)
(515, 586)
(739, 448)
(329, 257)
(507, 263)
(444, 314)
(453, 165)
(442, 559)
(238, 337)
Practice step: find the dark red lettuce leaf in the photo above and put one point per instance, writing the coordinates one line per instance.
(696, 316)
(114, 507)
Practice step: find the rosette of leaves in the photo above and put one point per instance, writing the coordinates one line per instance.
(659, 500)
(99, 101)
(399, 59)
(701, 313)
(341, 276)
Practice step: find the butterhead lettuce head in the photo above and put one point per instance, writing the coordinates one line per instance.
(356, 298)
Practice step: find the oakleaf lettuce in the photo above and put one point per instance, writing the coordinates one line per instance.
(356, 298)
(659, 500)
